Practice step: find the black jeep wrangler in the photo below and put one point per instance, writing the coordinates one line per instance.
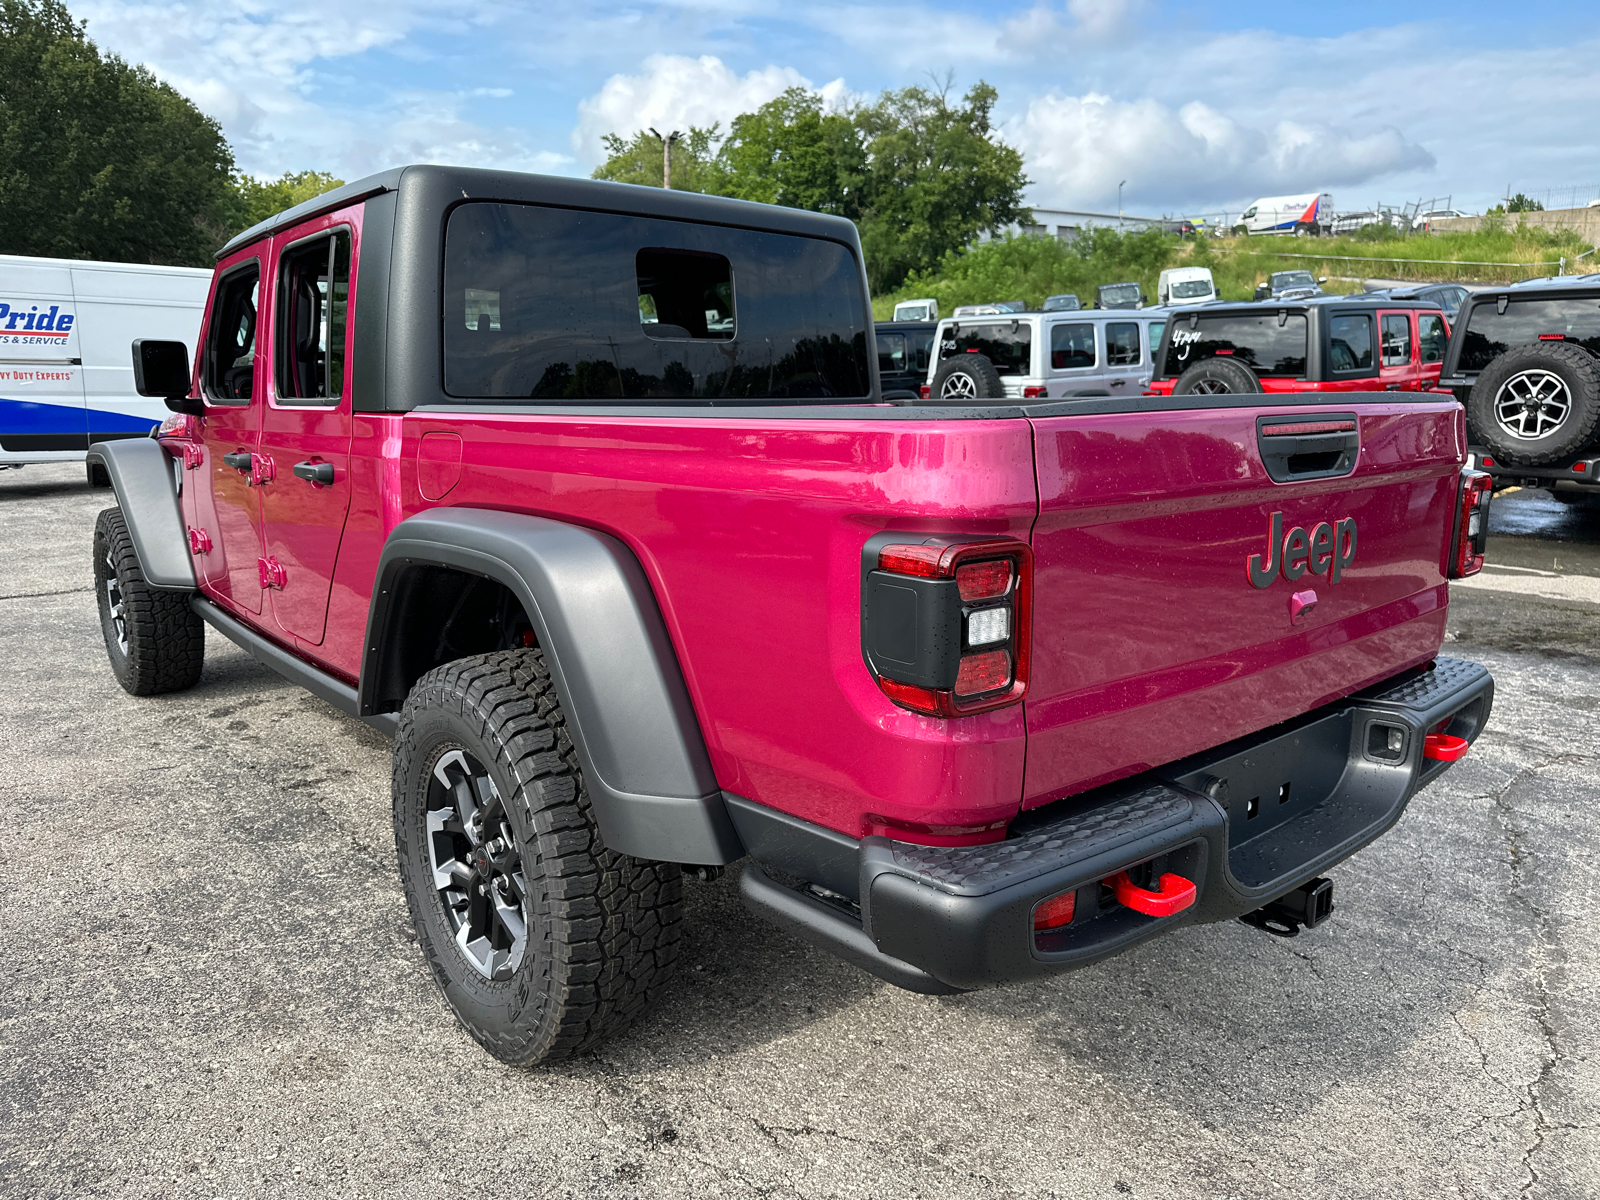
(1523, 359)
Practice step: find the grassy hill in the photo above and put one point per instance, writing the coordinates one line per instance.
(1030, 269)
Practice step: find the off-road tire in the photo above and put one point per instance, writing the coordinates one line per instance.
(155, 641)
(1579, 378)
(1217, 376)
(966, 377)
(602, 929)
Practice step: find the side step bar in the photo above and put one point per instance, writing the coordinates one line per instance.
(830, 930)
(267, 652)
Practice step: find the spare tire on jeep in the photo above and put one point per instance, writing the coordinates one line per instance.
(1535, 404)
(1215, 377)
(964, 377)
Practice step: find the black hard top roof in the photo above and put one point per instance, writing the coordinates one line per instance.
(473, 184)
(905, 326)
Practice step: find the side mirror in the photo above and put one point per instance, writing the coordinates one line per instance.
(1322, 279)
(162, 369)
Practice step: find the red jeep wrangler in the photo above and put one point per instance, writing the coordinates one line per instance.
(1320, 344)
(587, 494)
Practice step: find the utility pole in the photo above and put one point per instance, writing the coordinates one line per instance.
(1119, 205)
(666, 155)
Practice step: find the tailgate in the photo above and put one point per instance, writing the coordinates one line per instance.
(1150, 639)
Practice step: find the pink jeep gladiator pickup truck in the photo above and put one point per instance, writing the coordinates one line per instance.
(587, 494)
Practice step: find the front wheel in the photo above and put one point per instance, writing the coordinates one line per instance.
(155, 641)
(543, 941)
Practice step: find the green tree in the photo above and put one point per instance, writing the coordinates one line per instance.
(791, 152)
(97, 158)
(259, 199)
(638, 160)
(937, 175)
(1521, 203)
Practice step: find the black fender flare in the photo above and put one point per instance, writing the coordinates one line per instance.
(141, 475)
(644, 760)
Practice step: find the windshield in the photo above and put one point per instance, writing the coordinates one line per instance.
(911, 312)
(1120, 293)
(1191, 289)
(1292, 279)
(1490, 333)
(1067, 303)
(1267, 344)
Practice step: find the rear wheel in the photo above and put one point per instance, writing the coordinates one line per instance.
(155, 641)
(543, 941)
(1535, 404)
(966, 377)
(1217, 376)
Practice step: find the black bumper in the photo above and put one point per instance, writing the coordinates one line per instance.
(1246, 823)
(1582, 470)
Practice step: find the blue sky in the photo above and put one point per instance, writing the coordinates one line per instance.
(1199, 107)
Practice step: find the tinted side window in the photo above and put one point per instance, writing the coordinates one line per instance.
(922, 346)
(1350, 343)
(1009, 346)
(891, 352)
(1269, 344)
(231, 340)
(1157, 328)
(1490, 333)
(1431, 337)
(313, 303)
(1122, 344)
(1396, 345)
(563, 304)
(1072, 346)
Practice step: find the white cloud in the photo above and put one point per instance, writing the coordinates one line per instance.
(675, 91)
(1078, 147)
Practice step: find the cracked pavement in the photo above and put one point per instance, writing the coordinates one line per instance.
(211, 987)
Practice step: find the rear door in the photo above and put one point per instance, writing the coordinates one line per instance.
(1124, 351)
(41, 373)
(1074, 363)
(1433, 335)
(1151, 639)
(306, 423)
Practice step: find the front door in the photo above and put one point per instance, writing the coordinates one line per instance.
(226, 508)
(306, 425)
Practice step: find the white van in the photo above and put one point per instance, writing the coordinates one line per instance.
(917, 310)
(1305, 213)
(66, 362)
(1185, 285)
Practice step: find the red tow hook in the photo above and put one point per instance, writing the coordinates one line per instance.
(1176, 894)
(1442, 747)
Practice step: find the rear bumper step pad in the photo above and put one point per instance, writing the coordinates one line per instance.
(1246, 823)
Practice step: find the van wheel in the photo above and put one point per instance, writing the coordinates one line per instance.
(543, 941)
(1535, 404)
(966, 377)
(155, 641)
(1216, 377)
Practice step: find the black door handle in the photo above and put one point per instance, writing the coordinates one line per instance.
(239, 460)
(314, 472)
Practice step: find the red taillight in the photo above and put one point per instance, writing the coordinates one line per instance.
(1055, 912)
(1487, 461)
(1552, 337)
(925, 392)
(984, 580)
(1033, 393)
(1471, 532)
(955, 642)
(1580, 467)
(983, 672)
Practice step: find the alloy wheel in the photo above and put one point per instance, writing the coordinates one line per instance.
(958, 385)
(1532, 404)
(114, 605)
(1210, 387)
(477, 865)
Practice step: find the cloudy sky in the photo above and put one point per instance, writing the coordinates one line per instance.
(1198, 107)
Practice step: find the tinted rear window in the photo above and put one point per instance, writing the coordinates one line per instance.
(1008, 344)
(559, 304)
(1261, 343)
(1489, 333)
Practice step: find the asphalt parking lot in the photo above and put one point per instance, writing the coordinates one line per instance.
(211, 988)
